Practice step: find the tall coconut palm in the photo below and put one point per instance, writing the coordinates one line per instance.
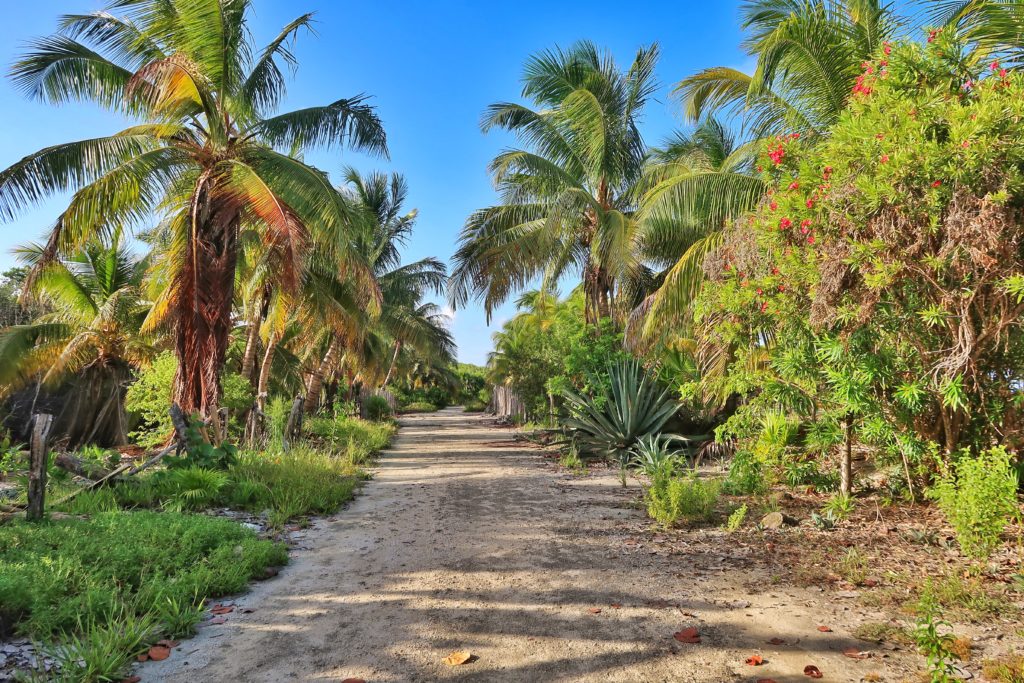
(567, 195)
(403, 320)
(694, 185)
(89, 336)
(206, 155)
(809, 54)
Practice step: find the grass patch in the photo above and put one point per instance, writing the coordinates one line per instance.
(418, 407)
(107, 587)
(356, 439)
(966, 599)
(1008, 669)
(883, 632)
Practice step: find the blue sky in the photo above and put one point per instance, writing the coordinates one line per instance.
(431, 67)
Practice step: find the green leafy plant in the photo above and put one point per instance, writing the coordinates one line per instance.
(838, 507)
(419, 407)
(978, 495)
(193, 487)
(633, 407)
(688, 497)
(934, 638)
(736, 519)
(179, 616)
(653, 456)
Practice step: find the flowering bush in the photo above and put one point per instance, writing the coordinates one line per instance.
(877, 293)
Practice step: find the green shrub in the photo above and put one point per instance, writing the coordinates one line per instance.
(419, 407)
(474, 406)
(688, 497)
(150, 397)
(978, 495)
(357, 439)
(377, 408)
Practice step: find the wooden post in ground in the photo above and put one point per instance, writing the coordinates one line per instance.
(38, 453)
(293, 428)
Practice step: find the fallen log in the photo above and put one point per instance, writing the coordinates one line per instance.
(90, 469)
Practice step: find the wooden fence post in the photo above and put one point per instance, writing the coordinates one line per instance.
(38, 455)
(293, 428)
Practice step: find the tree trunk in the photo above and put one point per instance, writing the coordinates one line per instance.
(391, 368)
(204, 289)
(37, 466)
(253, 337)
(846, 464)
(265, 367)
(316, 378)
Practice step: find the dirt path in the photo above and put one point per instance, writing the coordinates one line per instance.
(465, 540)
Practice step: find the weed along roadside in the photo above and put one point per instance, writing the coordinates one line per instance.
(125, 572)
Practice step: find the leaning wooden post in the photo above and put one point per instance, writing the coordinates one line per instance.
(38, 453)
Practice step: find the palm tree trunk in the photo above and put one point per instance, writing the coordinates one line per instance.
(316, 378)
(205, 287)
(394, 359)
(264, 377)
(253, 336)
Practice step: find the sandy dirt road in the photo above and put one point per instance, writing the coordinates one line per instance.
(466, 540)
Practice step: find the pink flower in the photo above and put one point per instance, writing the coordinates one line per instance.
(764, 306)
(805, 225)
(885, 158)
(776, 155)
(794, 185)
(1002, 73)
(936, 183)
(785, 223)
(810, 203)
(782, 288)
(827, 172)
(773, 206)
(994, 65)
(886, 47)
(932, 35)
(760, 291)
(810, 239)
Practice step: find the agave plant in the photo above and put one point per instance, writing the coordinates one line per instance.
(653, 456)
(632, 408)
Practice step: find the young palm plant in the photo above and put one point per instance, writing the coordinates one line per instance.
(90, 334)
(205, 154)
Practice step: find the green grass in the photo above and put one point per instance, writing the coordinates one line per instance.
(418, 407)
(357, 439)
(106, 587)
(687, 497)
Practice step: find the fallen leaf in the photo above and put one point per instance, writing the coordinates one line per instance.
(616, 605)
(457, 658)
(755, 660)
(776, 641)
(812, 671)
(766, 680)
(687, 635)
(217, 621)
(131, 679)
(222, 609)
(855, 653)
(158, 653)
(353, 680)
(594, 610)
(142, 658)
(825, 629)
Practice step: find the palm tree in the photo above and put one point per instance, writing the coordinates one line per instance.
(567, 196)
(994, 27)
(89, 334)
(694, 185)
(809, 54)
(403, 320)
(206, 155)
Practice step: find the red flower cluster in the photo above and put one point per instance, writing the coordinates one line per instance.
(810, 203)
(936, 183)
(785, 223)
(932, 35)
(805, 225)
(776, 155)
(810, 239)
(827, 172)
(886, 47)
(794, 185)
(862, 87)
(773, 206)
(885, 159)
